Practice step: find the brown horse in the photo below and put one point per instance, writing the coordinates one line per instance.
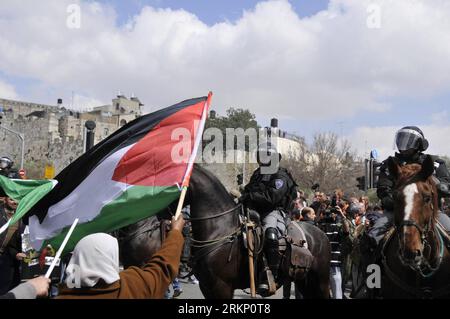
(220, 258)
(416, 260)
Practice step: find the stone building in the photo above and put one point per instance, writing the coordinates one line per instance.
(55, 135)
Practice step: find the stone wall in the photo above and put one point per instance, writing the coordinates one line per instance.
(54, 135)
(42, 146)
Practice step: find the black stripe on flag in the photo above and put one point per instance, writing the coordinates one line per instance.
(69, 178)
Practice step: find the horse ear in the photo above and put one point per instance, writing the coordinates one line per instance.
(393, 167)
(427, 167)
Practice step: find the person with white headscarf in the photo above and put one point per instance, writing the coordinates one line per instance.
(93, 270)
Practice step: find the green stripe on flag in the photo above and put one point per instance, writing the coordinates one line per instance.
(26, 192)
(133, 205)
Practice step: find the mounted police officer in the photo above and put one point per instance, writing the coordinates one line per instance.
(411, 144)
(270, 192)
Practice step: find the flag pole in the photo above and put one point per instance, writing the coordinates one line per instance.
(61, 249)
(181, 202)
(198, 140)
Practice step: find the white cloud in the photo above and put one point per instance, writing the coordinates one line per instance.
(381, 138)
(270, 60)
(440, 118)
(7, 91)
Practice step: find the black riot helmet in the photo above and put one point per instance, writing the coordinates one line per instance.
(266, 153)
(6, 163)
(411, 138)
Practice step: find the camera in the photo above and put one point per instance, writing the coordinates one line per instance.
(240, 179)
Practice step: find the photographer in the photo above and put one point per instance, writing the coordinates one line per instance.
(330, 224)
(349, 213)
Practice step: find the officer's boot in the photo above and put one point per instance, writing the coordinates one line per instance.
(267, 285)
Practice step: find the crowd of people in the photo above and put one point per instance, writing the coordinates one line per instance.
(354, 227)
(345, 220)
(97, 260)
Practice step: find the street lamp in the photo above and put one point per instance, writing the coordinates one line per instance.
(90, 126)
(20, 136)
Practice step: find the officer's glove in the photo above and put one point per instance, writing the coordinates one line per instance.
(244, 198)
(235, 193)
(388, 204)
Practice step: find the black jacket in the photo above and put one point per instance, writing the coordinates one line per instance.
(386, 182)
(333, 230)
(266, 193)
(15, 243)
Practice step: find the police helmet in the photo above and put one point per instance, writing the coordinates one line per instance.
(266, 152)
(6, 163)
(411, 137)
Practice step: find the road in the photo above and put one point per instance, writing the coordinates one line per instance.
(192, 291)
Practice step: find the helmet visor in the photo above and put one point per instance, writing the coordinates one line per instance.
(407, 139)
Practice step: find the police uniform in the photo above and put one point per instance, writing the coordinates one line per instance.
(408, 138)
(6, 169)
(270, 194)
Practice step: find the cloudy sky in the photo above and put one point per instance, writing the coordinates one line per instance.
(361, 68)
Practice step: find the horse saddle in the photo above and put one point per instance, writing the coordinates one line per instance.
(297, 253)
(258, 235)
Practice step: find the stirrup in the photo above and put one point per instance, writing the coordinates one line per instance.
(268, 287)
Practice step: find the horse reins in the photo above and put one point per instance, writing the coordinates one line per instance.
(423, 235)
(206, 247)
(425, 292)
(215, 216)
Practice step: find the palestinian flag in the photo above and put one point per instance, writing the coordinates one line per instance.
(26, 192)
(133, 174)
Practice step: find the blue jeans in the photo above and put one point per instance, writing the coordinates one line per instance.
(176, 286)
(336, 282)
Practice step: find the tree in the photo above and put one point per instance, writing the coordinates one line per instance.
(236, 118)
(328, 162)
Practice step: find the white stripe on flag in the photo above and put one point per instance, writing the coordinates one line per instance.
(85, 202)
(197, 142)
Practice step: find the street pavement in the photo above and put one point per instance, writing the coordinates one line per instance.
(192, 291)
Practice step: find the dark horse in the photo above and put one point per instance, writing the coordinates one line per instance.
(416, 260)
(220, 258)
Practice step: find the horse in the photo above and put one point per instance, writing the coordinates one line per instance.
(220, 259)
(415, 253)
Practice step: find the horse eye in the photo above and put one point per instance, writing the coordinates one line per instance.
(427, 199)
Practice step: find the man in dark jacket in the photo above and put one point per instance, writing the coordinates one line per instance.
(10, 248)
(332, 227)
(270, 192)
(411, 144)
(308, 216)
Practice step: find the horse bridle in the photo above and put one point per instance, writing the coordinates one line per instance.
(423, 236)
(206, 243)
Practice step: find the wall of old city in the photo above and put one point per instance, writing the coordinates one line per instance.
(55, 136)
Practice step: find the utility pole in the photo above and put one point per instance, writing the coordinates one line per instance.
(19, 135)
(90, 126)
(21, 138)
(243, 166)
